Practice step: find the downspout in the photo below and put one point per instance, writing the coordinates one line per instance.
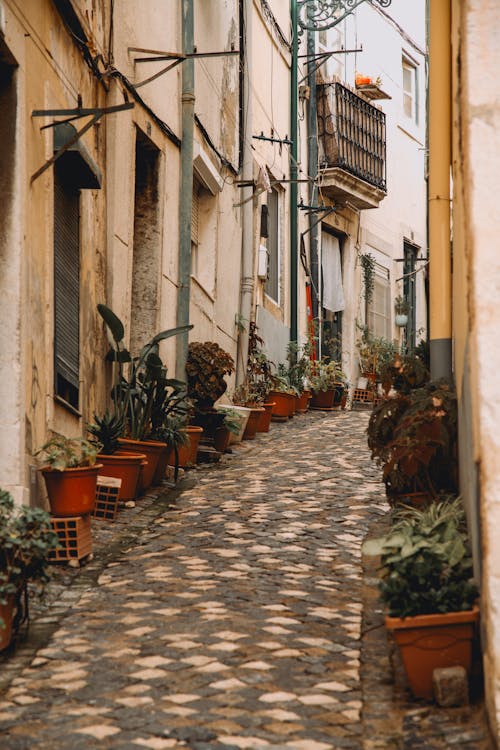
(186, 186)
(440, 337)
(247, 280)
(312, 162)
(294, 156)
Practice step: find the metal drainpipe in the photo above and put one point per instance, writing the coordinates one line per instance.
(247, 249)
(186, 186)
(439, 188)
(294, 155)
(312, 161)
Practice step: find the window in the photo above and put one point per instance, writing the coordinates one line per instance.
(273, 243)
(379, 310)
(409, 292)
(410, 91)
(66, 289)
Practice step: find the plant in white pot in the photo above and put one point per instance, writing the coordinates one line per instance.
(401, 310)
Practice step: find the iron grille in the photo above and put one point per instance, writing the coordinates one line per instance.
(351, 134)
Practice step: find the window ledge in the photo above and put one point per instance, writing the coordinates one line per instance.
(59, 400)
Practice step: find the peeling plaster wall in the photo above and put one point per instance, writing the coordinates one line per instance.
(477, 291)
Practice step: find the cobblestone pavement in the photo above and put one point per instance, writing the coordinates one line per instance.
(228, 618)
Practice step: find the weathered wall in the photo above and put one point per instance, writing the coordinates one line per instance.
(476, 293)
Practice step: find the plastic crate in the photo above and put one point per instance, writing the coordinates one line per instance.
(106, 499)
(74, 538)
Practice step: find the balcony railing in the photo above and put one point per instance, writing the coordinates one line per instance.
(351, 134)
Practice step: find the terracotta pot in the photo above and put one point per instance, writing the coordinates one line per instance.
(187, 453)
(245, 413)
(302, 402)
(292, 403)
(72, 491)
(152, 450)
(281, 408)
(161, 466)
(415, 499)
(323, 399)
(7, 617)
(264, 422)
(124, 466)
(253, 422)
(428, 642)
(221, 439)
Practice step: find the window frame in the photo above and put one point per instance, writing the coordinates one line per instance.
(274, 246)
(408, 64)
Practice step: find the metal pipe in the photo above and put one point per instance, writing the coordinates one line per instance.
(186, 186)
(294, 156)
(247, 248)
(439, 188)
(312, 162)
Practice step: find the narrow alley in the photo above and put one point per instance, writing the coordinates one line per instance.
(232, 619)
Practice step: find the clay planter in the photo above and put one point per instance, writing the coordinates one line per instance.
(415, 499)
(264, 422)
(253, 422)
(72, 491)
(124, 466)
(161, 466)
(7, 617)
(302, 402)
(323, 399)
(281, 408)
(187, 453)
(428, 642)
(221, 439)
(152, 450)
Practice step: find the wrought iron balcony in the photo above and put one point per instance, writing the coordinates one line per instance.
(351, 134)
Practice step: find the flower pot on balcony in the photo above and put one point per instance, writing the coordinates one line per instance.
(428, 642)
(71, 492)
(125, 466)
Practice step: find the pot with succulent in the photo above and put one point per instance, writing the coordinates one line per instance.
(413, 437)
(427, 586)
(207, 365)
(140, 386)
(401, 311)
(26, 540)
(327, 383)
(70, 469)
(106, 431)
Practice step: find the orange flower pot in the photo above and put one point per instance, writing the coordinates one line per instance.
(428, 642)
(264, 422)
(125, 466)
(253, 422)
(152, 450)
(6, 617)
(72, 491)
(187, 453)
(302, 402)
(281, 408)
(323, 399)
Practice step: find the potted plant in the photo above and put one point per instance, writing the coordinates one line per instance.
(283, 395)
(374, 352)
(140, 383)
(401, 309)
(299, 370)
(426, 584)
(107, 431)
(230, 426)
(413, 437)
(70, 471)
(207, 365)
(26, 539)
(327, 384)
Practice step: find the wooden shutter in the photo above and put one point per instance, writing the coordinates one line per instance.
(195, 213)
(66, 290)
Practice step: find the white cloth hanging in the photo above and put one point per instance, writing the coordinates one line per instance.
(331, 266)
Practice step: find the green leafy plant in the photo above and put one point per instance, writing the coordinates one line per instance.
(325, 375)
(232, 420)
(299, 365)
(258, 381)
(368, 267)
(106, 431)
(60, 453)
(206, 366)
(142, 394)
(413, 437)
(401, 305)
(375, 353)
(426, 562)
(26, 539)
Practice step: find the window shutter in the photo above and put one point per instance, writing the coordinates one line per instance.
(66, 288)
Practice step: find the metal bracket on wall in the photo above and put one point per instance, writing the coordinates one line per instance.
(160, 56)
(73, 114)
